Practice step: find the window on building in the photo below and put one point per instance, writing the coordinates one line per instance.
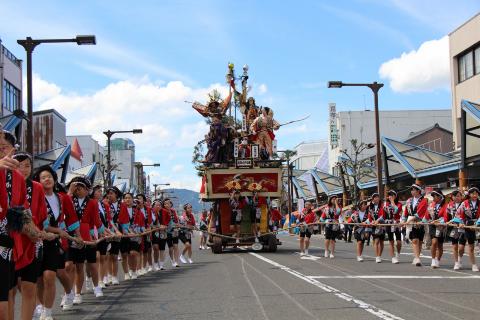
(469, 64)
(11, 96)
(477, 60)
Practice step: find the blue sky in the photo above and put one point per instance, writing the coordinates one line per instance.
(152, 55)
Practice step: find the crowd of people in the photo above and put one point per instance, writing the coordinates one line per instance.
(418, 219)
(77, 234)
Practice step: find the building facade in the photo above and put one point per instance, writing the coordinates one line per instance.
(310, 155)
(91, 150)
(49, 131)
(464, 71)
(123, 159)
(360, 125)
(10, 81)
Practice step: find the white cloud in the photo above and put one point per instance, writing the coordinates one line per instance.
(262, 89)
(170, 126)
(177, 168)
(422, 70)
(42, 91)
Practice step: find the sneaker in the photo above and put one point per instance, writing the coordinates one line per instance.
(64, 298)
(326, 253)
(237, 241)
(127, 276)
(200, 248)
(115, 281)
(306, 252)
(474, 268)
(130, 273)
(109, 279)
(174, 264)
(437, 263)
(68, 304)
(457, 266)
(190, 260)
(38, 312)
(160, 266)
(302, 254)
(417, 262)
(155, 267)
(360, 258)
(256, 240)
(149, 269)
(433, 264)
(332, 256)
(134, 275)
(182, 259)
(395, 260)
(98, 292)
(378, 260)
(88, 284)
(77, 299)
(101, 284)
(141, 272)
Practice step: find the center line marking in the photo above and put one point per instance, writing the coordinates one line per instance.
(393, 277)
(382, 314)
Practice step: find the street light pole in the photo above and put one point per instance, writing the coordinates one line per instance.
(375, 87)
(29, 45)
(109, 135)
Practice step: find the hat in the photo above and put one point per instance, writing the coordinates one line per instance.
(437, 192)
(392, 192)
(473, 189)
(43, 168)
(416, 186)
(115, 190)
(22, 156)
(80, 180)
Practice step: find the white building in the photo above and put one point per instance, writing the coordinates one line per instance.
(91, 150)
(396, 124)
(123, 157)
(10, 81)
(464, 43)
(311, 154)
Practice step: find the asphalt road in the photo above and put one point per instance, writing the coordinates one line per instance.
(256, 285)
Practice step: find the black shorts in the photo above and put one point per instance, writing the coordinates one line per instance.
(380, 236)
(125, 245)
(330, 234)
(433, 234)
(307, 233)
(397, 233)
(87, 253)
(233, 219)
(102, 247)
(467, 237)
(114, 247)
(147, 243)
(7, 270)
(134, 246)
(417, 233)
(253, 216)
(155, 238)
(30, 273)
(170, 241)
(183, 237)
(53, 256)
(361, 236)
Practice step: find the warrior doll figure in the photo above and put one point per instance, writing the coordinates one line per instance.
(263, 127)
(216, 138)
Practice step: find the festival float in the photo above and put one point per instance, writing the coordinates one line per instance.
(236, 161)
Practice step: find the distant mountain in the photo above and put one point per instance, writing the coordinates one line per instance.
(184, 196)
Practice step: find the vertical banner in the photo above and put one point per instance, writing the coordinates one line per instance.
(255, 151)
(235, 148)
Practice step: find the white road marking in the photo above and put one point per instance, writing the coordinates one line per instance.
(285, 293)
(259, 302)
(393, 277)
(382, 314)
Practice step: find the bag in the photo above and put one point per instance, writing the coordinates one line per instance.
(188, 235)
(175, 233)
(454, 233)
(163, 235)
(378, 231)
(335, 227)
